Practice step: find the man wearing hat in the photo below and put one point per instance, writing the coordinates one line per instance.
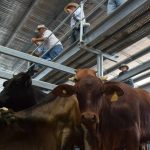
(75, 10)
(124, 69)
(113, 5)
(47, 42)
(51, 43)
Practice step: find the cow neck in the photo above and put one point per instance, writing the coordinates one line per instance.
(104, 112)
(89, 135)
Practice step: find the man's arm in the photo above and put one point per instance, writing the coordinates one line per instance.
(41, 39)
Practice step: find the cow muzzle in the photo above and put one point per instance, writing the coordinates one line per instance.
(88, 118)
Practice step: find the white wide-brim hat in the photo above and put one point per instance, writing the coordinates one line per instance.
(123, 65)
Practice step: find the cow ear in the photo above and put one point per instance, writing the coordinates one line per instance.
(64, 90)
(5, 83)
(113, 91)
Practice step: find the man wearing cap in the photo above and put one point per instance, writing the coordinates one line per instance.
(113, 5)
(75, 10)
(124, 69)
(51, 43)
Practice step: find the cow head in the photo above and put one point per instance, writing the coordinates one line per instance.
(12, 87)
(20, 80)
(92, 94)
(81, 73)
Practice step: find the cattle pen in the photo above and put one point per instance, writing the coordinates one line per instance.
(56, 99)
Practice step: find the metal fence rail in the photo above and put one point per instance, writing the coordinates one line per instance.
(112, 27)
(41, 84)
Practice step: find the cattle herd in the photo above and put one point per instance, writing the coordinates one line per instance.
(92, 114)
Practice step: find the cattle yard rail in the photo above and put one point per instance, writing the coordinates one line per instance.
(28, 57)
(128, 24)
(41, 84)
(124, 27)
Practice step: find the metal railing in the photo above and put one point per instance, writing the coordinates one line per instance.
(67, 33)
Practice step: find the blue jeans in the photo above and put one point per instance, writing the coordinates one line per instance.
(55, 51)
(113, 5)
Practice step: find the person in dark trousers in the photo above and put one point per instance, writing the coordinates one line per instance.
(124, 69)
(75, 10)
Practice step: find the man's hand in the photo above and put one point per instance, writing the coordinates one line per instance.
(33, 40)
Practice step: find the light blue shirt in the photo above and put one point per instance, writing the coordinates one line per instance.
(77, 15)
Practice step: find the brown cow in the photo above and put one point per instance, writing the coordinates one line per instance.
(115, 115)
(49, 126)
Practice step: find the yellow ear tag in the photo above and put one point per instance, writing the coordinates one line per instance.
(114, 97)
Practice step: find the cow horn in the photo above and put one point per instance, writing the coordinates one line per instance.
(103, 78)
(72, 79)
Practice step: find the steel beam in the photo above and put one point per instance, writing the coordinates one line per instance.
(146, 87)
(28, 57)
(111, 24)
(100, 65)
(128, 60)
(41, 84)
(114, 21)
(144, 76)
(98, 52)
(141, 68)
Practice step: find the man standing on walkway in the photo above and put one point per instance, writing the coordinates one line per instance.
(124, 69)
(75, 10)
(113, 5)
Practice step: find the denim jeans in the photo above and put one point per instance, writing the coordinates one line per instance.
(55, 51)
(113, 5)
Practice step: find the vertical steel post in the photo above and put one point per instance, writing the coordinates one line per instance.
(148, 146)
(81, 21)
(100, 65)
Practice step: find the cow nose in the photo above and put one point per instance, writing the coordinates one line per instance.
(88, 118)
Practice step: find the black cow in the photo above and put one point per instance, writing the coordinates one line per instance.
(19, 93)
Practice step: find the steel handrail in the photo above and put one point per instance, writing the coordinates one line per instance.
(57, 28)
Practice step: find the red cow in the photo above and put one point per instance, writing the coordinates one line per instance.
(115, 115)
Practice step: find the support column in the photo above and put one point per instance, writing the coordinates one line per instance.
(100, 69)
(81, 21)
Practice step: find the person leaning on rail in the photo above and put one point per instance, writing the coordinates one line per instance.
(124, 69)
(75, 11)
(51, 44)
(112, 5)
